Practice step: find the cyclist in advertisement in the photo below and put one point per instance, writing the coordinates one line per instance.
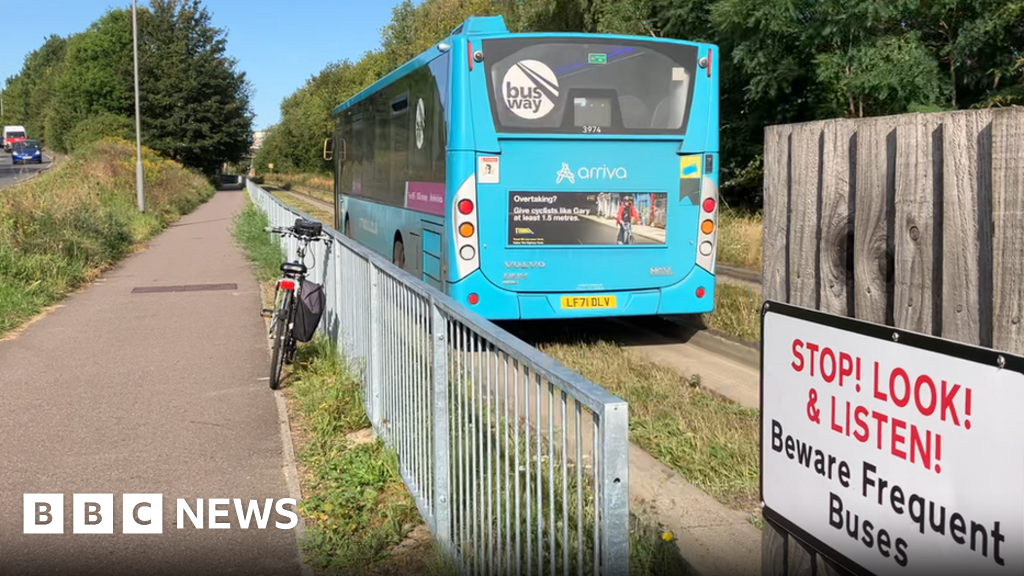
(625, 217)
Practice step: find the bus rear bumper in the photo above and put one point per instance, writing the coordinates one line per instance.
(496, 303)
(682, 298)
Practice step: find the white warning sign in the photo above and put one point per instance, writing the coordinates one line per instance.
(487, 172)
(892, 455)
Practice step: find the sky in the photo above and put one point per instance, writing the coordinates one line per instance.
(279, 44)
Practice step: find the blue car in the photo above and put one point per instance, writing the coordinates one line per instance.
(27, 151)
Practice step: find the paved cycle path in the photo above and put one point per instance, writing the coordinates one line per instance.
(156, 393)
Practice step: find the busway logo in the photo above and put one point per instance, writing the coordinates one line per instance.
(143, 513)
(530, 89)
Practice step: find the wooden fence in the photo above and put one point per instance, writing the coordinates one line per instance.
(914, 221)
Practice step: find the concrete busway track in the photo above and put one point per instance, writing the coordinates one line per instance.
(11, 174)
(325, 206)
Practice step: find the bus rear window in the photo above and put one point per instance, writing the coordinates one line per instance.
(570, 85)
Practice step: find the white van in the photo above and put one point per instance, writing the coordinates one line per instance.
(13, 134)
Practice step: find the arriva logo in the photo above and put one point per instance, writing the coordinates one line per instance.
(603, 172)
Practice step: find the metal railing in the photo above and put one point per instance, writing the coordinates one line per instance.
(517, 464)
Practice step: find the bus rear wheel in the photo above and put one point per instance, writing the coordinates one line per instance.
(398, 254)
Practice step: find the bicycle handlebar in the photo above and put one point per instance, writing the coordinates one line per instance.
(290, 231)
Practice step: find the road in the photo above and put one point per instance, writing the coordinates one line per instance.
(11, 174)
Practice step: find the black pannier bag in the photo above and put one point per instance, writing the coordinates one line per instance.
(310, 309)
(307, 228)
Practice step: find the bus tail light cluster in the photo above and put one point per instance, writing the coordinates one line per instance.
(464, 228)
(707, 236)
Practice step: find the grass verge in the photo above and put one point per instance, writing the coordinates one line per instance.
(713, 443)
(355, 505)
(737, 312)
(62, 228)
(739, 238)
(264, 254)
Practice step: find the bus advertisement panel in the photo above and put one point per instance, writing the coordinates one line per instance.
(582, 218)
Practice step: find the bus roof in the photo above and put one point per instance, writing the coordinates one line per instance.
(480, 26)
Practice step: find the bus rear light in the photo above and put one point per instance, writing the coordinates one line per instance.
(707, 231)
(473, 298)
(463, 210)
(709, 62)
(469, 52)
(700, 292)
(286, 284)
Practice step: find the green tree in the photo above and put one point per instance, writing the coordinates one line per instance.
(97, 127)
(96, 77)
(195, 103)
(28, 94)
(780, 61)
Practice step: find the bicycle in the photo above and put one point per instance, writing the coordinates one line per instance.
(626, 233)
(287, 293)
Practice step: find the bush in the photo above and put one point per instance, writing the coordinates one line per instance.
(96, 128)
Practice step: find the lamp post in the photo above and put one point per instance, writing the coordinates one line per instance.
(138, 122)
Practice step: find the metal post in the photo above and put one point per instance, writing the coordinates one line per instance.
(138, 122)
(442, 500)
(614, 513)
(376, 337)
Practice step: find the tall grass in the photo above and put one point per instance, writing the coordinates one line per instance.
(737, 312)
(62, 228)
(249, 230)
(739, 238)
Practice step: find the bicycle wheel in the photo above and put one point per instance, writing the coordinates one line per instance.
(281, 336)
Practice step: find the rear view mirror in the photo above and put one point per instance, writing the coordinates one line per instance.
(329, 149)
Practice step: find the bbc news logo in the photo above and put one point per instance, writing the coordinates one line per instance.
(143, 513)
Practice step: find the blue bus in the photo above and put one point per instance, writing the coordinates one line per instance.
(539, 176)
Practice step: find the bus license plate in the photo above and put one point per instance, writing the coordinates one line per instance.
(588, 302)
